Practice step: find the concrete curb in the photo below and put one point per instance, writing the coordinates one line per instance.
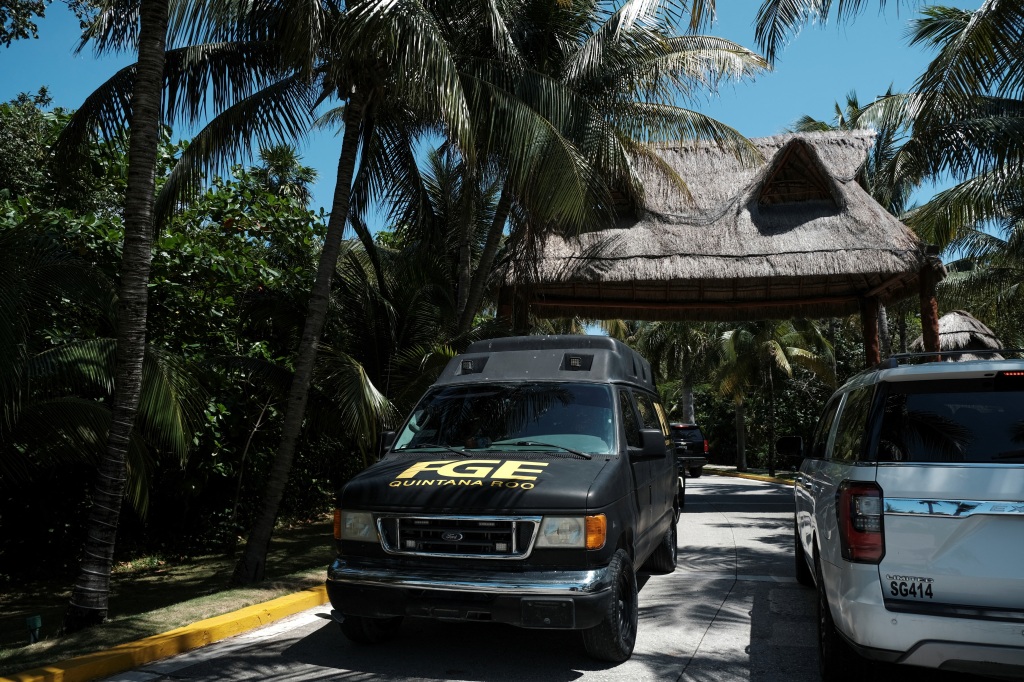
(754, 477)
(134, 654)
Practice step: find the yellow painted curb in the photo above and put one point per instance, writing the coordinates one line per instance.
(134, 654)
(755, 477)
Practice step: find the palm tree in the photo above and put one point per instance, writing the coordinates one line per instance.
(967, 111)
(389, 62)
(683, 351)
(90, 594)
(755, 353)
(968, 114)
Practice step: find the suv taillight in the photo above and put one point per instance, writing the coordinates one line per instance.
(859, 512)
(705, 446)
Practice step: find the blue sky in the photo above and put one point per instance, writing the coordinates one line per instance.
(814, 71)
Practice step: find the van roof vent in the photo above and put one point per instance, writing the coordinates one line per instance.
(577, 362)
(473, 365)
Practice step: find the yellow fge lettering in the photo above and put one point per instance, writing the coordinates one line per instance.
(452, 468)
(466, 470)
(518, 471)
(422, 466)
(478, 468)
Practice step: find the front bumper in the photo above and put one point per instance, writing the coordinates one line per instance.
(575, 599)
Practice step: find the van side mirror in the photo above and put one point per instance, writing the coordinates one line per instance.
(387, 439)
(652, 444)
(790, 449)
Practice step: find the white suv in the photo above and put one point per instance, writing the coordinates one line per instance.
(910, 518)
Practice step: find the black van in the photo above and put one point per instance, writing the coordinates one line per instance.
(526, 487)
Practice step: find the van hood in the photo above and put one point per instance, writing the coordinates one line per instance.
(484, 482)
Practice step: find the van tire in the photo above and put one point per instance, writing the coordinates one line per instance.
(365, 630)
(837, 662)
(695, 472)
(665, 555)
(614, 637)
(804, 576)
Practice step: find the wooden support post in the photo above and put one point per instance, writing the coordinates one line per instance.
(869, 324)
(929, 310)
(505, 297)
(520, 312)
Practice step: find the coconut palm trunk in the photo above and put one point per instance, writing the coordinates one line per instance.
(741, 436)
(89, 598)
(771, 423)
(483, 270)
(686, 410)
(251, 566)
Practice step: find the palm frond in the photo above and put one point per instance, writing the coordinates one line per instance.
(281, 112)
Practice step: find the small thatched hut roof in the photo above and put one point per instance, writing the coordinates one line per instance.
(795, 236)
(959, 330)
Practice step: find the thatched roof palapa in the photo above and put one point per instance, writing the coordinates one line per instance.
(959, 330)
(795, 236)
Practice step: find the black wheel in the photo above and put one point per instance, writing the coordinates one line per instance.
(837, 662)
(804, 576)
(695, 472)
(614, 637)
(363, 630)
(663, 560)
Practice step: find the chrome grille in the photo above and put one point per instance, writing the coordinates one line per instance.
(477, 537)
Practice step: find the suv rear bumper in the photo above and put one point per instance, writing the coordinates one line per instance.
(961, 644)
(533, 599)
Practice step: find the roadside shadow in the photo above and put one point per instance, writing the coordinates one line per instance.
(433, 650)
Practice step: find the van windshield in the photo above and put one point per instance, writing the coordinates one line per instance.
(952, 421)
(513, 416)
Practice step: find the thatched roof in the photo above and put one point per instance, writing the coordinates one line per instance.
(795, 236)
(959, 330)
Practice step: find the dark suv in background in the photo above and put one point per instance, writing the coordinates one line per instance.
(691, 448)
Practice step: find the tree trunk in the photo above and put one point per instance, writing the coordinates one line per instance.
(884, 337)
(771, 424)
(252, 565)
(741, 437)
(902, 329)
(686, 412)
(89, 598)
(465, 267)
(483, 268)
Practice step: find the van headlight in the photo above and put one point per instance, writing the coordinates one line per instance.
(573, 531)
(561, 531)
(357, 525)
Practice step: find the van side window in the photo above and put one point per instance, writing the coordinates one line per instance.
(648, 415)
(663, 419)
(852, 424)
(819, 444)
(629, 420)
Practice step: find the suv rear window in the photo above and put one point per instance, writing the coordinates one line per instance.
(691, 434)
(972, 420)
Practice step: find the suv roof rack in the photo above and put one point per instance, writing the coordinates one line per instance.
(896, 359)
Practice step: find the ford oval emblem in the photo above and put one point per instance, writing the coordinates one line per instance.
(451, 536)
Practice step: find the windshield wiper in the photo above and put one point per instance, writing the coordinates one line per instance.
(529, 443)
(420, 446)
(1010, 454)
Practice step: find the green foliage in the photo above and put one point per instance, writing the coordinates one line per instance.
(17, 19)
(27, 134)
